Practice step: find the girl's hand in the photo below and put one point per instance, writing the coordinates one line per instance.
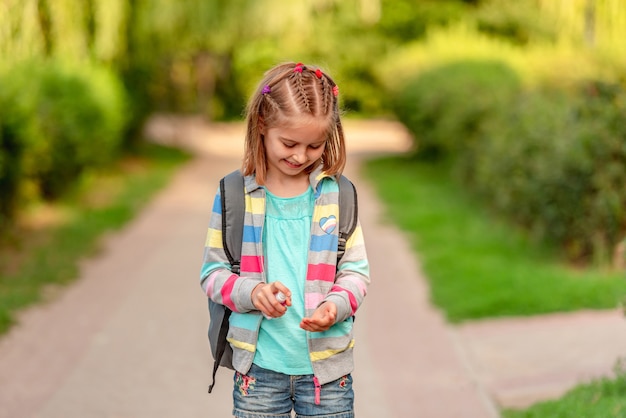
(322, 319)
(264, 299)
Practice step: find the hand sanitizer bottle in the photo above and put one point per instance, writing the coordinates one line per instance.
(281, 298)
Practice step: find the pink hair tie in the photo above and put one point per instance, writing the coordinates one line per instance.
(298, 68)
(335, 91)
(318, 73)
(266, 90)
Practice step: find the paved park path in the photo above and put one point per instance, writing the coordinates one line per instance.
(128, 339)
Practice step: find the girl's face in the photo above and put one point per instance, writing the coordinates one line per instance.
(290, 150)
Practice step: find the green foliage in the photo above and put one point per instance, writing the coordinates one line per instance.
(478, 265)
(20, 148)
(11, 170)
(600, 398)
(551, 159)
(408, 20)
(190, 55)
(56, 121)
(555, 163)
(81, 117)
(520, 22)
(446, 107)
(532, 145)
(201, 56)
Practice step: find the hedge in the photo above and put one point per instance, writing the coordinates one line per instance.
(56, 122)
(551, 160)
(445, 107)
(555, 162)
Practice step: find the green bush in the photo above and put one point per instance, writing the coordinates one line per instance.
(81, 117)
(556, 163)
(550, 159)
(10, 169)
(446, 107)
(531, 167)
(56, 121)
(602, 108)
(17, 133)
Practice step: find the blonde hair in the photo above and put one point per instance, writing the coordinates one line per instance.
(287, 92)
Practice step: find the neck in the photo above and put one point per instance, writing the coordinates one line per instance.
(282, 186)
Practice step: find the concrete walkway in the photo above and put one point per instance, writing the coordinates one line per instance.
(128, 339)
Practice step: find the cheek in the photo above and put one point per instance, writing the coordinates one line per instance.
(314, 155)
(319, 152)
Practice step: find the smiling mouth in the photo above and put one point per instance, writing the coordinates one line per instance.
(293, 165)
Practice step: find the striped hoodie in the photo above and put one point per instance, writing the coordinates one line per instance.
(331, 351)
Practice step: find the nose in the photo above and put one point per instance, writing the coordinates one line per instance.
(300, 156)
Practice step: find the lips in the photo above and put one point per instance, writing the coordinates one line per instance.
(293, 165)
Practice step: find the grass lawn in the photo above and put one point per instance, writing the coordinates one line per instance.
(601, 398)
(479, 267)
(44, 249)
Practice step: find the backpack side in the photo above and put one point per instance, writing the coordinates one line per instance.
(348, 213)
(233, 209)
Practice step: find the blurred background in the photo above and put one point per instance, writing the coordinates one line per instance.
(516, 109)
(521, 101)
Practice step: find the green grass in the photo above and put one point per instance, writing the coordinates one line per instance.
(479, 267)
(601, 398)
(44, 251)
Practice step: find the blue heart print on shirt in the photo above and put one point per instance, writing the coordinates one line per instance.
(328, 224)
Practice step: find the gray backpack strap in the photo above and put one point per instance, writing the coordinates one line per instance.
(233, 208)
(348, 214)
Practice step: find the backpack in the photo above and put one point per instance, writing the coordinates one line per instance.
(233, 209)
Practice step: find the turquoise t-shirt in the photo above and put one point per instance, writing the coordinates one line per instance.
(282, 344)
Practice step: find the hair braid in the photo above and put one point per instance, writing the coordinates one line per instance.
(270, 100)
(302, 91)
(325, 94)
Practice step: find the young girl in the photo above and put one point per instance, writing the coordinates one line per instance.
(295, 355)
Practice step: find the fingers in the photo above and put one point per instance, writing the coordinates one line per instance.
(322, 319)
(264, 299)
(285, 291)
(310, 325)
(317, 325)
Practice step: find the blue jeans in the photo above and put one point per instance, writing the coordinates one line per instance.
(263, 393)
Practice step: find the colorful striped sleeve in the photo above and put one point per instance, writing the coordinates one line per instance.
(216, 278)
(353, 275)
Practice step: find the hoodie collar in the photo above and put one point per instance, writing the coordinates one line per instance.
(315, 178)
